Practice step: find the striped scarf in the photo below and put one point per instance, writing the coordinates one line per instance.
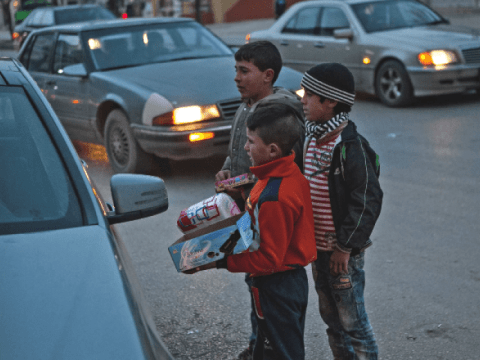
(320, 130)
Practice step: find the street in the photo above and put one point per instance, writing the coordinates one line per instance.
(423, 280)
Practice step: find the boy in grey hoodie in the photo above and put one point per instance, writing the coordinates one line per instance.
(258, 65)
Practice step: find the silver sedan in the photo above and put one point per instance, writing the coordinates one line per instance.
(397, 49)
(159, 87)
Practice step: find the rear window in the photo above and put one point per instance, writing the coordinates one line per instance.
(78, 15)
(36, 193)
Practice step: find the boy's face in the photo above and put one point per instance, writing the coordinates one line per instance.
(252, 84)
(316, 111)
(257, 150)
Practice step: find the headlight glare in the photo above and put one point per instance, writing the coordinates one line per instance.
(437, 57)
(187, 115)
(300, 93)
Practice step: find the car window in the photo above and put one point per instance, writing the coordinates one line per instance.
(36, 19)
(47, 19)
(36, 193)
(332, 18)
(139, 45)
(67, 52)
(41, 53)
(304, 22)
(387, 15)
(78, 14)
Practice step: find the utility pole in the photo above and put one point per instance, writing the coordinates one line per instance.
(198, 12)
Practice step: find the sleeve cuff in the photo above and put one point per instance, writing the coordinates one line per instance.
(342, 249)
(222, 263)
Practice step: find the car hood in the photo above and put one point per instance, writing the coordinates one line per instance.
(431, 37)
(210, 80)
(63, 297)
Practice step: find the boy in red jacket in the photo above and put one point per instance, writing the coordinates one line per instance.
(284, 242)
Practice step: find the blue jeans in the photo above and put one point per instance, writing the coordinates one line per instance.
(342, 308)
(253, 318)
(280, 306)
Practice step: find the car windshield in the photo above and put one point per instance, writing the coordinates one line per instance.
(139, 45)
(82, 14)
(386, 15)
(31, 5)
(36, 193)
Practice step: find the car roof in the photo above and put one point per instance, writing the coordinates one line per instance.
(114, 23)
(350, 2)
(68, 7)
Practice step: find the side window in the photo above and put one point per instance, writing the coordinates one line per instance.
(47, 19)
(41, 54)
(305, 22)
(37, 18)
(332, 19)
(67, 52)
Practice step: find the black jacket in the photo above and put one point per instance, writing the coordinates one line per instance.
(355, 193)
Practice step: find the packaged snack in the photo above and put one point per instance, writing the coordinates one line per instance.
(206, 212)
(234, 182)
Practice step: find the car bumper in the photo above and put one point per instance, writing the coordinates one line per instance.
(431, 81)
(173, 142)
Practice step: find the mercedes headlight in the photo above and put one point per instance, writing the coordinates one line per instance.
(437, 57)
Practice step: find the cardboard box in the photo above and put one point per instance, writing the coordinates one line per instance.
(199, 247)
(234, 182)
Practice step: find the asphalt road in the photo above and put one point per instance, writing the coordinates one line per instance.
(423, 277)
(423, 273)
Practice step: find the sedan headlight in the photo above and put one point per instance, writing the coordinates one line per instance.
(187, 115)
(437, 57)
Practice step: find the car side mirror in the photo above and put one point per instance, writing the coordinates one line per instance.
(136, 197)
(74, 70)
(343, 34)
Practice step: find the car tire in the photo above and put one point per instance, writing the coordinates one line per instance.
(392, 84)
(124, 153)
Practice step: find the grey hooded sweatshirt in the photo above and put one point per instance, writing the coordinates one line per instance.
(237, 160)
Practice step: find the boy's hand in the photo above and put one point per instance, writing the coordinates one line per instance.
(234, 193)
(339, 263)
(209, 266)
(222, 175)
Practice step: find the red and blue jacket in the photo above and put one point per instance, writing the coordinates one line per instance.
(281, 210)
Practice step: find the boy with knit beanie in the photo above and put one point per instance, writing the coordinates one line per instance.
(346, 198)
(281, 211)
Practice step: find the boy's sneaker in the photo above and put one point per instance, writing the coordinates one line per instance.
(247, 354)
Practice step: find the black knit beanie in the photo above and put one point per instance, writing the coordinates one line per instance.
(331, 80)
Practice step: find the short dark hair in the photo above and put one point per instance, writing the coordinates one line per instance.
(339, 108)
(276, 123)
(263, 54)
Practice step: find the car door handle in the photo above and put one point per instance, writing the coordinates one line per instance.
(51, 82)
(284, 43)
(319, 45)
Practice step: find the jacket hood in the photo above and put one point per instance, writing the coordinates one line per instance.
(63, 297)
(284, 96)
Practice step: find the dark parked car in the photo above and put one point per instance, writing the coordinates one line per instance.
(396, 49)
(141, 87)
(68, 289)
(26, 7)
(58, 15)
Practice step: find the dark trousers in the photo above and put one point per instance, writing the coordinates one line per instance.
(280, 303)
